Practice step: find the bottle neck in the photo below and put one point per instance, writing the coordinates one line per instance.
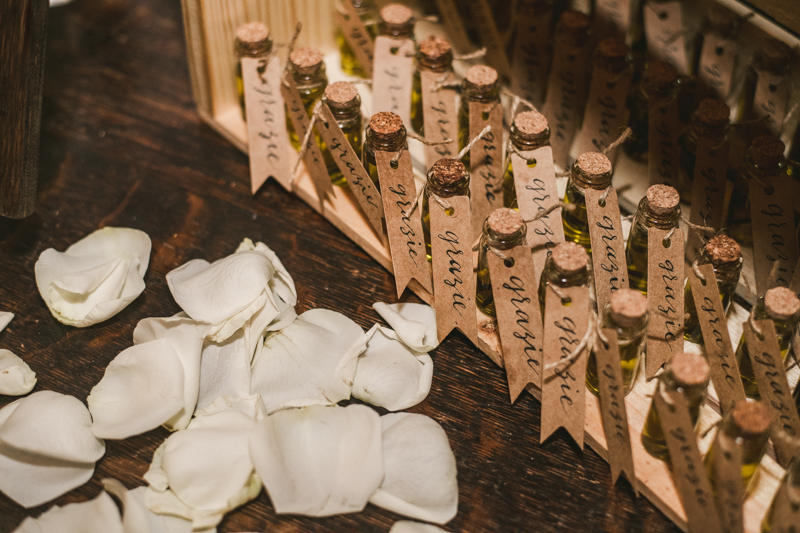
(693, 393)
(310, 81)
(254, 50)
(585, 180)
(447, 189)
(752, 170)
(552, 274)
(624, 333)
(396, 31)
(386, 143)
(528, 142)
(725, 272)
(503, 242)
(484, 94)
(651, 219)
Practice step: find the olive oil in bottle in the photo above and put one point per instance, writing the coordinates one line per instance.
(626, 313)
(658, 87)
(781, 306)
(566, 266)
(345, 103)
(480, 85)
(788, 489)
(308, 70)
(658, 209)
(385, 133)
(592, 170)
(725, 256)
(529, 131)
(502, 230)
(686, 374)
(368, 13)
(252, 40)
(446, 178)
(711, 120)
(747, 425)
(434, 55)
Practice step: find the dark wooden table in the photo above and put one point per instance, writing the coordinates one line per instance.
(123, 146)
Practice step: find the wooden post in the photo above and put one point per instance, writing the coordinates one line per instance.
(22, 40)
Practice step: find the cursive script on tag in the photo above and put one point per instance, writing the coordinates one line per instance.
(612, 18)
(708, 190)
(439, 114)
(483, 20)
(715, 70)
(769, 102)
(355, 32)
(531, 55)
(606, 115)
(663, 26)
(486, 162)
(664, 297)
(728, 479)
(608, 248)
(663, 131)
(453, 24)
(391, 84)
(772, 214)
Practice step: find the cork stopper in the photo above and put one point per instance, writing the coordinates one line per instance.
(342, 95)
(505, 222)
(774, 55)
(385, 124)
(721, 20)
(661, 76)
(574, 22)
(448, 171)
(434, 48)
(569, 258)
(690, 369)
(613, 49)
(767, 151)
(530, 123)
(713, 113)
(305, 60)
(662, 199)
(252, 33)
(396, 14)
(628, 307)
(751, 418)
(723, 250)
(781, 304)
(481, 77)
(593, 165)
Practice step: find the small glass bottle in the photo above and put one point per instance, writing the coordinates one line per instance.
(658, 85)
(345, 103)
(308, 71)
(789, 488)
(686, 374)
(529, 131)
(772, 57)
(711, 120)
(762, 161)
(591, 170)
(502, 230)
(480, 85)
(748, 426)
(434, 55)
(725, 256)
(396, 21)
(368, 13)
(252, 40)
(796, 395)
(566, 266)
(385, 133)
(721, 23)
(658, 209)
(626, 313)
(781, 306)
(446, 178)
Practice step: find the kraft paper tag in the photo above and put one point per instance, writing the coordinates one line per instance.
(486, 162)
(608, 247)
(391, 82)
(772, 93)
(564, 387)
(663, 131)
(728, 476)
(612, 18)
(440, 118)
(483, 20)
(663, 24)
(519, 317)
(664, 298)
(566, 96)
(708, 190)
(715, 70)
(353, 169)
(785, 508)
(313, 155)
(688, 472)
(605, 116)
(357, 36)
(716, 338)
(794, 285)
(772, 214)
(536, 189)
(406, 241)
(454, 26)
(271, 153)
(530, 59)
(612, 408)
(453, 278)
(765, 355)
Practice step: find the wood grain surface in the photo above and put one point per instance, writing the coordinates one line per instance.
(122, 145)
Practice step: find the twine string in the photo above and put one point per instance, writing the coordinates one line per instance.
(621, 139)
(528, 104)
(306, 139)
(477, 54)
(697, 272)
(426, 142)
(414, 204)
(464, 151)
(574, 354)
(544, 212)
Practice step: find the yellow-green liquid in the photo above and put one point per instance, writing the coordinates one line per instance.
(240, 89)
(310, 97)
(653, 434)
(417, 114)
(576, 221)
(352, 133)
(509, 189)
(350, 65)
(368, 159)
(629, 359)
(752, 452)
(636, 257)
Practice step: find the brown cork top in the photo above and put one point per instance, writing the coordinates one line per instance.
(252, 33)
(781, 303)
(305, 60)
(482, 77)
(628, 307)
(530, 123)
(713, 113)
(569, 258)
(767, 151)
(721, 19)
(434, 48)
(723, 250)
(662, 199)
(751, 418)
(574, 21)
(690, 369)
(396, 14)
(342, 94)
(449, 171)
(774, 51)
(661, 76)
(505, 222)
(593, 164)
(613, 48)
(385, 123)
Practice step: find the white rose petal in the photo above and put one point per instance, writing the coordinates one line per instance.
(310, 362)
(16, 377)
(137, 518)
(225, 369)
(415, 324)
(389, 374)
(95, 278)
(141, 389)
(319, 460)
(95, 516)
(5, 318)
(407, 526)
(420, 467)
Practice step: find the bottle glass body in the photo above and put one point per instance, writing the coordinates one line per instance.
(368, 14)
(636, 249)
(753, 449)
(550, 274)
(434, 186)
(631, 341)
(350, 122)
(243, 51)
(373, 143)
(791, 480)
(311, 88)
(727, 275)
(472, 94)
(740, 225)
(484, 297)
(576, 220)
(521, 143)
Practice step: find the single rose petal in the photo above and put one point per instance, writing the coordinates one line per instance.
(32, 481)
(224, 369)
(415, 324)
(137, 518)
(16, 377)
(407, 526)
(95, 516)
(5, 318)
